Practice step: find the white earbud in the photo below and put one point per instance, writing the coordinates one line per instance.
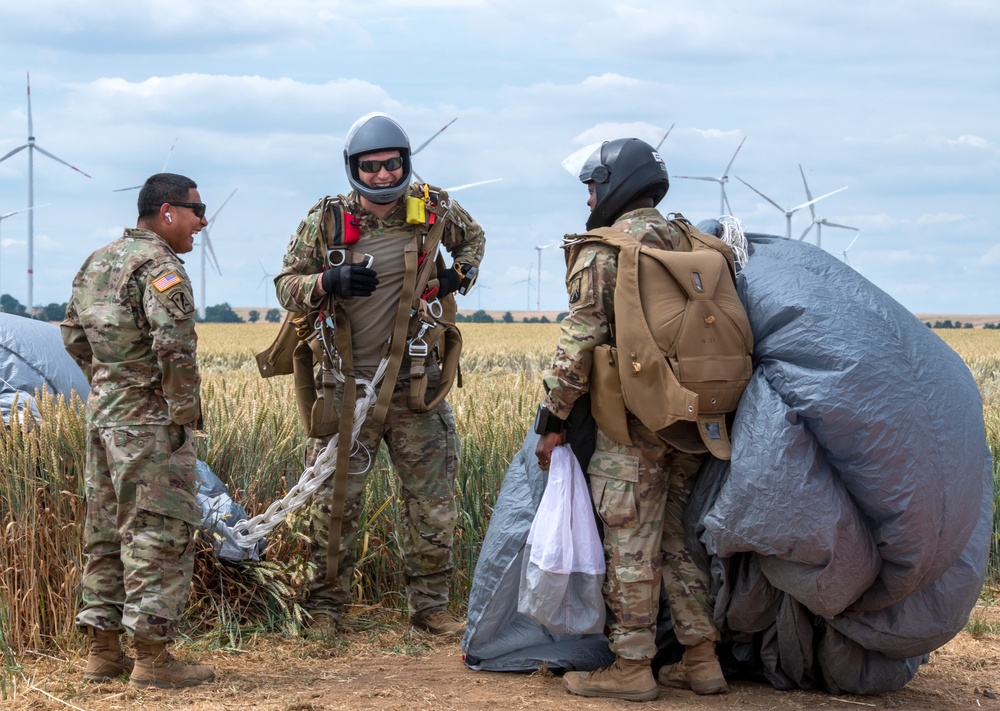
(168, 217)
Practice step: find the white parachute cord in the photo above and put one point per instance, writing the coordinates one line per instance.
(734, 234)
(251, 530)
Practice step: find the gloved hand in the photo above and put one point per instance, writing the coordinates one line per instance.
(350, 280)
(448, 282)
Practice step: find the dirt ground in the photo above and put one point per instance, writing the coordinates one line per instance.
(395, 668)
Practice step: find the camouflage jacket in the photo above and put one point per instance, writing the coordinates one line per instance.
(130, 326)
(371, 317)
(591, 276)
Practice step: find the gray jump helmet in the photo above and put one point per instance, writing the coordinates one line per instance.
(623, 171)
(372, 133)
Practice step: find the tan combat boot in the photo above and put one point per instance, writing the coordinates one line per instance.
(439, 623)
(105, 659)
(321, 626)
(155, 668)
(629, 679)
(697, 670)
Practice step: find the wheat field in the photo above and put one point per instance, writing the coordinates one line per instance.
(253, 441)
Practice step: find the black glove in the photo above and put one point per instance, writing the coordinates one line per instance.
(350, 280)
(448, 282)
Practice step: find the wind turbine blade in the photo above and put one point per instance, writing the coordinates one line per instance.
(834, 224)
(59, 160)
(31, 129)
(665, 136)
(16, 150)
(472, 185)
(439, 132)
(263, 279)
(812, 208)
(214, 261)
(725, 199)
(811, 225)
(692, 177)
(852, 242)
(805, 204)
(216, 214)
(760, 193)
(23, 209)
(726, 171)
(167, 159)
(121, 190)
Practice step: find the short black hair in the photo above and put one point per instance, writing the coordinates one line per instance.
(161, 188)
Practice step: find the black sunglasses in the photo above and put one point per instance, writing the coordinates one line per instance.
(198, 208)
(373, 166)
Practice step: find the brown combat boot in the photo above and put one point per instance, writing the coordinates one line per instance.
(629, 679)
(697, 670)
(439, 623)
(105, 659)
(321, 626)
(155, 668)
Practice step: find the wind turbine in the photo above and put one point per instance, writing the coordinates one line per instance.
(262, 280)
(791, 211)
(724, 208)
(206, 243)
(32, 147)
(539, 248)
(665, 137)
(818, 222)
(527, 303)
(162, 170)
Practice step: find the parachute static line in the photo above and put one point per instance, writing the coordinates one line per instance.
(734, 234)
(251, 530)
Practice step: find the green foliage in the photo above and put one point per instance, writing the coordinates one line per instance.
(221, 313)
(10, 305)
(481, 316)
(273, 316)
(52, 312)
(508, 317)
(253, 316)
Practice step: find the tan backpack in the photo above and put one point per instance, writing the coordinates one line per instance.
(681, 355)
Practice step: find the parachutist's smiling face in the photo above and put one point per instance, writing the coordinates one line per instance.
(374, 168)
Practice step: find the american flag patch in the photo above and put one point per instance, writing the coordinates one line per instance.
(166, 281)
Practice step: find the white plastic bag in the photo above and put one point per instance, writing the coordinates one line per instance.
(562, 571)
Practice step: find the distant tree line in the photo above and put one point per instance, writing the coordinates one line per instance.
(481, 316)
(224, 313)
(948, 323)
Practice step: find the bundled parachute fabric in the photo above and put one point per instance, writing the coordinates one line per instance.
(32, 358)
(498, 637)
(848, 537)
(851, 530)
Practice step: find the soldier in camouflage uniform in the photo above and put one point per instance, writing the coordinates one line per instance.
(423, 446)
(640, 490)
(130, 326)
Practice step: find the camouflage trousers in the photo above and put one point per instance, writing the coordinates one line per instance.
(142, 517)
(424, 450)
(640, 492)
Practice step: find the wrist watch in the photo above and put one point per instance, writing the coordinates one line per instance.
(546, 422)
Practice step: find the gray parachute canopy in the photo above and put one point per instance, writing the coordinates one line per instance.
(32, 358)
(848, 537)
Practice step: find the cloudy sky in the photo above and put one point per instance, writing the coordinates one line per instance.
(897, 100)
